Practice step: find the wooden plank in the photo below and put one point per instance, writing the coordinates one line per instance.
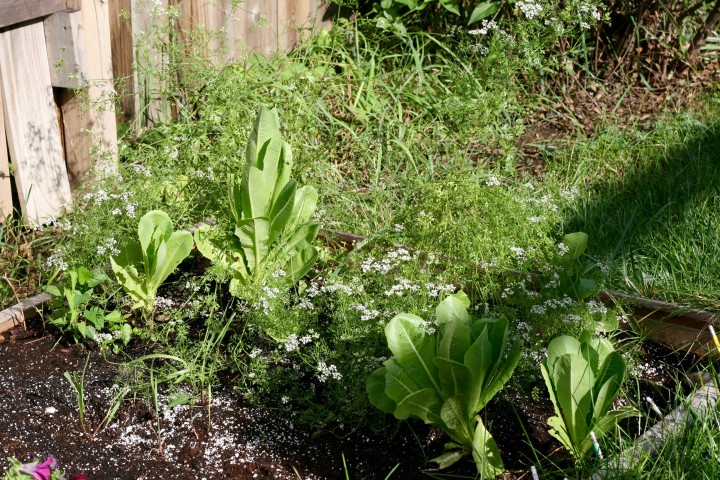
(286, 31)
(16, 316)
(6, 205)
(77, 127)
(121, 44)
(31, 124)
(66, 49)
(18, 11)
(260, 25)
(150, 107)
(101, 91)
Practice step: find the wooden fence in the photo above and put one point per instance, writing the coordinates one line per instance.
(61, 61)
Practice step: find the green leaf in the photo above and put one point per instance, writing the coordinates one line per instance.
(413, 348)
(423, 404)
(154, 227)
(303, 207)
(398, 383)
(583, 378)
(483, 10)
(454, 340)
(376, 391)
(451, 6)
(455, 378)
(576, 243)
(281, 210)
(173, 250)
(457, 419)
(53, 290)
(485, 452)
(254, 235)
(448, 458)
(301, 263)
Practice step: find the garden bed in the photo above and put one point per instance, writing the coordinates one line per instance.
(39, 415)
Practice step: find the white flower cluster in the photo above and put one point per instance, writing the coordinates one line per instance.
(519, 253)
(563, 249)
(552, 304)
(108, 246)
(485, 27)
(524, 329)
(392, 259)
(434, 290)
(365, 312)
(327, 371)
(172, 152)
(142, 170)
(403, 285)
(208, 173)
(293, 342)
(101, 196)
(164, 303)
(56, 260)
(353, 288)
(596, 307)
(492, 182)
(530, 8)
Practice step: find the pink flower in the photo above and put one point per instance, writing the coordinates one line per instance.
(40, 470)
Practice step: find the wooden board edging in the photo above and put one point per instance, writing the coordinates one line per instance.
(16, 315)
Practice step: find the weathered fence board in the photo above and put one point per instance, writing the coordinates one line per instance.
(66, 49)
(31, 123)
(121, 44)
(76, 124)
(18, 11)
(6, 206)
(101, 91)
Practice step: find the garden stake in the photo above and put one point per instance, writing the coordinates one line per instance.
(596, 445)
(533, 470)
(654, 406)
(714, 337)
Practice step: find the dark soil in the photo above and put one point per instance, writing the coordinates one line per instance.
(39, 416)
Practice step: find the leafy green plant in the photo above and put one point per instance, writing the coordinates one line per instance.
(273, 229)
(574, 284)
(583, 378)
(468, 12)
(446, 377)
(141, 267)
(71, 313)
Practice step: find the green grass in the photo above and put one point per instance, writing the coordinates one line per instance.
(649, 201)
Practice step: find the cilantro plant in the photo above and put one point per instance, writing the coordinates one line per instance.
(583, 378)
(141, 267)
(72, 313)
(272, 231)
(446, 377)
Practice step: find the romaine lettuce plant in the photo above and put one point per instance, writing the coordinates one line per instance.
(583, 378)
(445, 378)
(142, 266)
(272, 228)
